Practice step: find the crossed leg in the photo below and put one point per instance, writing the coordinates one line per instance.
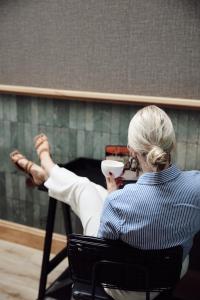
(85, 197)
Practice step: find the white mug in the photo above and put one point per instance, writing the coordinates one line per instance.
(112, 166)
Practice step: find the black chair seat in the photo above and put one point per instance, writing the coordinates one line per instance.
(83, 291)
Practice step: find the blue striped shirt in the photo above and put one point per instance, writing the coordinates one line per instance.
(161, 210)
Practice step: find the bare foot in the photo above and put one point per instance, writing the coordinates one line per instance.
(37, 174)
(42, 144)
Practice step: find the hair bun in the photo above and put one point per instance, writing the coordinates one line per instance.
(157, 157)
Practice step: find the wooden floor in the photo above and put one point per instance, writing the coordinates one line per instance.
(20, 271)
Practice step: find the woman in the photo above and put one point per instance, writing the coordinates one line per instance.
(161, 210)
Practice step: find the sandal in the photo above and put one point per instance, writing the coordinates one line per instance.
(36, 173)
(41, 144)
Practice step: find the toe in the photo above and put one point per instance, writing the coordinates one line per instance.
(39, 139)
(13, 153)
(15, 156)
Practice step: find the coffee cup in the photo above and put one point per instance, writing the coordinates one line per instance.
(112, 166)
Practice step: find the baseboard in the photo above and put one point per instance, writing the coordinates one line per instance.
(29, 236)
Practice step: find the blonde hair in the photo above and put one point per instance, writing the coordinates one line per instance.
(151, 134)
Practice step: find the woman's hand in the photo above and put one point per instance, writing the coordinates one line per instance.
(113, 183)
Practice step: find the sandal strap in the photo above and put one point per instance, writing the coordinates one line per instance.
(43, 150)
(28, 166)
(20, 158)
(43, 139)
(17, 153)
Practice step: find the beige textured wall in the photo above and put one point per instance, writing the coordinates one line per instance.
(147, 47)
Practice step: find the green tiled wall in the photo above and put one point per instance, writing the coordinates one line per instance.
(74, 129)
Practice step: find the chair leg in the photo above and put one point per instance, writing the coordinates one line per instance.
(67, 218)
(47, 248)
(147, 295)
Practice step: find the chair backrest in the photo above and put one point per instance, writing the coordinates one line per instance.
(118, 265)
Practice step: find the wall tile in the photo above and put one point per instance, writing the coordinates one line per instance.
(98, 119)
(115, 119)
(23, 109)
(81, 115)
(89, 138)
(28, 141)
(45, 112)
(60, 113)
(1, 108)
(105, 141)
(72, 144)
(89, 116)
(3, 209)
(125, 117)
(21, 136)
(34, 110)
(181, 155)
(182, 126)
(80, 143)
(16, 210)
(193, 127)
(31, 197)
(106, 117)
(14, 136)
(10, 216)
(36, 211)
(97, 145)
(15, 185)
(65, 144)
(8, 185)
(57, 144)
(191, 154)
(5, 140)
(114, 139)
(198, 158)
(22, 189)
(73, 107)
(9, 107)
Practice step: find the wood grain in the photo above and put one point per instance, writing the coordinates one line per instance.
(29, 236)
(100, 97)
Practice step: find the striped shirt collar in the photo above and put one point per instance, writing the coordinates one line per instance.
(159, 177)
